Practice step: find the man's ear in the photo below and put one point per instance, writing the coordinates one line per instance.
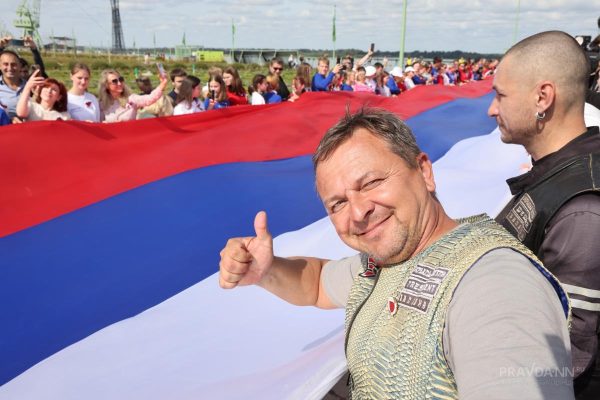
(426, 168)
(545, 92)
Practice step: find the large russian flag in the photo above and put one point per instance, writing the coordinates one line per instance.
(110, 237)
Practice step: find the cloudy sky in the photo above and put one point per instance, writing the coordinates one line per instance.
(486, 26)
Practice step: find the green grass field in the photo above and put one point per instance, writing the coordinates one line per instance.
(59, 65)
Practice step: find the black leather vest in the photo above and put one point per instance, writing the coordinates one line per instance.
(539, 194)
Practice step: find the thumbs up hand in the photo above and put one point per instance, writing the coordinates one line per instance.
(245, 260)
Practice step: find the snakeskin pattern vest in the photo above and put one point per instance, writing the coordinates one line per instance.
(395, 315)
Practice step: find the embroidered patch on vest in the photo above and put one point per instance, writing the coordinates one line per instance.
(371, 271)
(392, 306)
(421, 286)
(521, 216)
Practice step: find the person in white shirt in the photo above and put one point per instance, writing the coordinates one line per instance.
(187, 101)
(82, 105)
(409, 72)
(257, 90)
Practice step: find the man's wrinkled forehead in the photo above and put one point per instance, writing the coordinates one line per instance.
(376, 159)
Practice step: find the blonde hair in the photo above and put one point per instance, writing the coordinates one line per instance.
(273, 81)
(351, 77)
(104, 97)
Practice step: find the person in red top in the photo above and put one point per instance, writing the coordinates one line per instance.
(464, 73)
(442, 77)
(235, 88)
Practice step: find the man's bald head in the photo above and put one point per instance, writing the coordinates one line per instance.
(554, 56)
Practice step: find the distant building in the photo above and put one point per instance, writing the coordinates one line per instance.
(210, 55)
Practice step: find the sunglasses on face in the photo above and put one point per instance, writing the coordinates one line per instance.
(118, 80)
(277, 69)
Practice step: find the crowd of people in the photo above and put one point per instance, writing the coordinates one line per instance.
(28, 94)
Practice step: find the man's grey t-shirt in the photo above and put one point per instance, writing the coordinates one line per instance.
(505, 335)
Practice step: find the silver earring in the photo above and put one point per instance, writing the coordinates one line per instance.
(539, 116)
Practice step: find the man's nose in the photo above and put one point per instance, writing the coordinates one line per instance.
(493, 109)
(360, 206)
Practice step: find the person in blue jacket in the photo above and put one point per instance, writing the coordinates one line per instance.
(217, 94)
(344, 85)
(391, 82)
(323, 78)
(272, 94)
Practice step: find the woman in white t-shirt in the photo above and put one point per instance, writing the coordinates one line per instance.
(50, 105)
(187, 99)
(82, 105)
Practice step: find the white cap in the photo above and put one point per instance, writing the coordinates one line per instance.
(370, 71)
(409, 69)
(396, 71)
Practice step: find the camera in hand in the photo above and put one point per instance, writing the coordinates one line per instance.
(213, 95)
(17, 42)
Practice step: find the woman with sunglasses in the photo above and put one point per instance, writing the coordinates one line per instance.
(82, 105)
(50, 104)
(117, 103)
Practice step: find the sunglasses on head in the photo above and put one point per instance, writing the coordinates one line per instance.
(117, 80)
